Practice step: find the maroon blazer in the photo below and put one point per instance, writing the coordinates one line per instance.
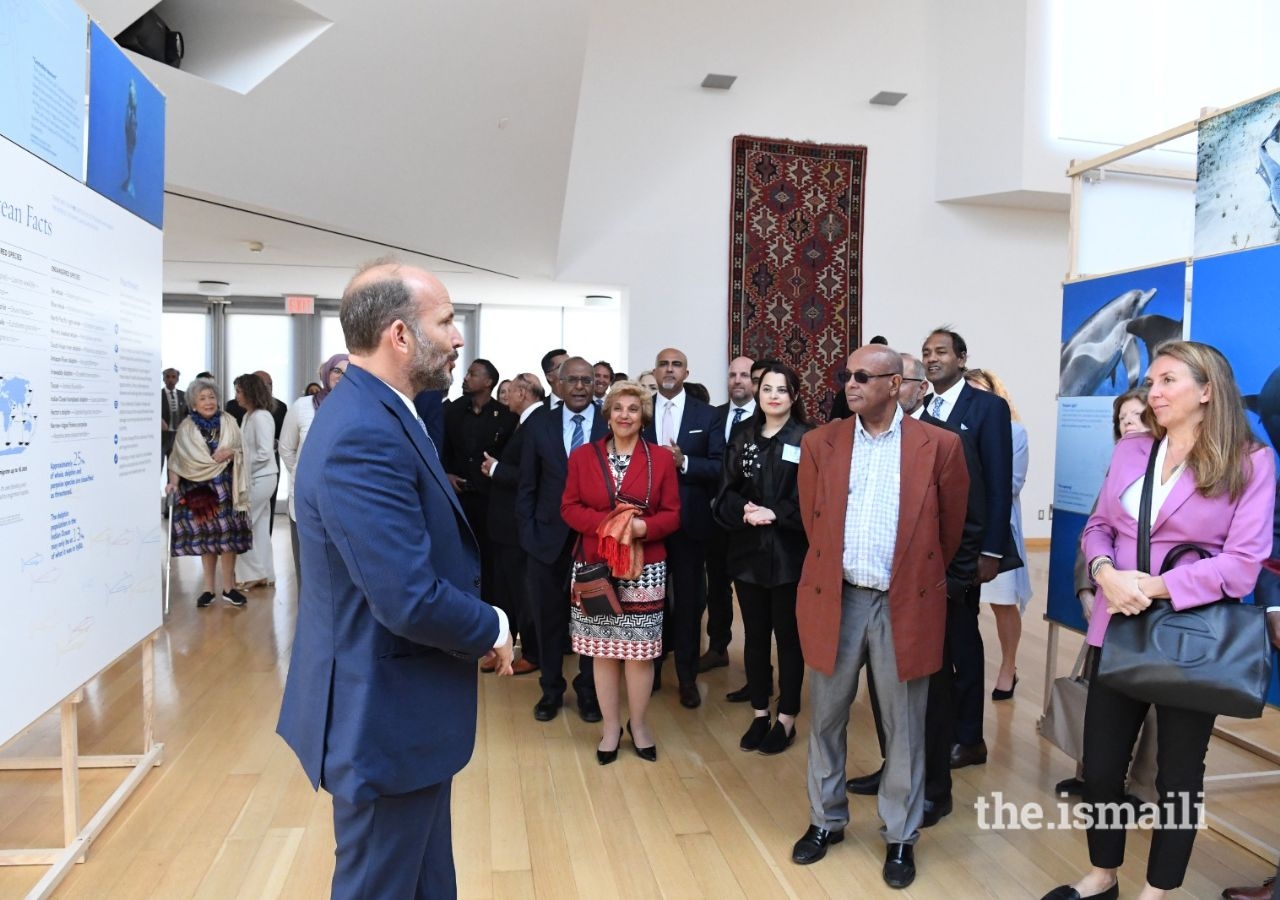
(933, 496)
(585, 502)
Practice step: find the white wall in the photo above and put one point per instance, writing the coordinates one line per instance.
(649, 186)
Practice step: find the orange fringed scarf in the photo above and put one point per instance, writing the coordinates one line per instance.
(618, 547)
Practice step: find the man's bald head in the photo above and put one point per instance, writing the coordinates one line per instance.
(379, 294)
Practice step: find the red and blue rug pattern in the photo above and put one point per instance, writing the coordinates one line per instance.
(795, 267)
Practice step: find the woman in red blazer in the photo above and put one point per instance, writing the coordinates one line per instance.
(642, 475)
(1215, 487)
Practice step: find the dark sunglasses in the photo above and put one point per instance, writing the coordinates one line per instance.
(843, 376)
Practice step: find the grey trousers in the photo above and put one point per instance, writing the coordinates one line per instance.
(866, 635)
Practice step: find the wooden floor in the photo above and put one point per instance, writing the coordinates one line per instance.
(230, 814)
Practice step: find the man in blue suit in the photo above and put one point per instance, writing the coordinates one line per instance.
(380, 701)
(985, 418)
(687, 427)
(552, 434)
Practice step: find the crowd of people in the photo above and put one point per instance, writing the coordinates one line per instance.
(604, 516)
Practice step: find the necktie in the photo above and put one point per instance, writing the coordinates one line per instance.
(577, 439)
(737, 417)
(427, 433)
(937, 408)
(668, 424)
(173, 409)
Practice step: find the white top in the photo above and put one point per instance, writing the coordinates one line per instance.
(871, 514)
(258, 434)
(297, 422)
(1131, 499)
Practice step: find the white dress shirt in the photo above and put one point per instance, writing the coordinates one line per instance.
(747, 409)
(871, 514)
(588, 418)
(948, 398)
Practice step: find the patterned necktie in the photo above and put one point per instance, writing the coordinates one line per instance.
(937, 408)
(737, 417)
(427, 432)
(668, 423)
(577, 439)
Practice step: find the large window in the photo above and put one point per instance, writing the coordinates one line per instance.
(1123, 71)
(184, 344)
(262, 341)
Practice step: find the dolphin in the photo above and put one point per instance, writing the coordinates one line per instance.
(1154, 331)
(1096, 349)
(1266, 405)
(1269, 169)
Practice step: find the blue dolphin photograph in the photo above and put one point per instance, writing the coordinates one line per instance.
(1111, 324)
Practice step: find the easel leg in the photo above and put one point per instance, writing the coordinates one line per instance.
(71, 768)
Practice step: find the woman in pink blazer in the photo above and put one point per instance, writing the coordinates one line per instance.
(1215, 487)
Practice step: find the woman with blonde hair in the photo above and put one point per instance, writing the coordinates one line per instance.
(1204, 479)
(622, 498)
(1009, 593)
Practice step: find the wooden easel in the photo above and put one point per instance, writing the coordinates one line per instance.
(76, 838)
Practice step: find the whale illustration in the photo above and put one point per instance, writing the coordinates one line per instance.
(1266, 406)
(1269, 169)
(1155, 330)
(1101, 345)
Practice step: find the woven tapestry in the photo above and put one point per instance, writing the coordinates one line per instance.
(795, 268)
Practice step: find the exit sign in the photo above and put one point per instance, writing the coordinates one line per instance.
(300, 304)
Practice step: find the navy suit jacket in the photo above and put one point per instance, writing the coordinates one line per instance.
(544, 465)
(381, 693)
(701, 439)
(985, 417)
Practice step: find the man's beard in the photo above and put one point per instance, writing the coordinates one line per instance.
(429, 370)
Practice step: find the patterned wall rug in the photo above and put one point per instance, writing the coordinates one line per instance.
(795, 267)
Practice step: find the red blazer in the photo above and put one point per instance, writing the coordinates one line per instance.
(931, 509)
(585, 502)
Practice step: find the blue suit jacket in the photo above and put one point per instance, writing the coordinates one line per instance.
(986, 418)
(701, 439)
(381, 693)
(544, 465)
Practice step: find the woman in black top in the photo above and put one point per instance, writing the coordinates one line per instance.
(759, 504)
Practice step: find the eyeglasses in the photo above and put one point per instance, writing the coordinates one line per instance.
(905, 378)
(843, 376)
(578, 379)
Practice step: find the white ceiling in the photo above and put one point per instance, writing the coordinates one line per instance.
(436, 127)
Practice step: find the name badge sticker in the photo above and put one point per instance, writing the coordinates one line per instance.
(791, 453)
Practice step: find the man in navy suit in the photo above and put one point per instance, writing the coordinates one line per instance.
(985, 417)
(687, 427)
(380, 701)
(552, 434)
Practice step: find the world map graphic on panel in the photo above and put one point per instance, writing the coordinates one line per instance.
(17, 416)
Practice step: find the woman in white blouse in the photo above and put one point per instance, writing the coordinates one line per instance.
(255, 568)
(297, 422)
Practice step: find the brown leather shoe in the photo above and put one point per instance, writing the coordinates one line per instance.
(1264, 891)
(713, 659)
(489, 665)
(968, 754)
(522, 666)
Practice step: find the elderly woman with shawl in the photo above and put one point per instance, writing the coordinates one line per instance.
(622, 498)
(297, 422)
(208, 475)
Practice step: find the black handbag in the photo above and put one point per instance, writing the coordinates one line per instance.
(1213, 659)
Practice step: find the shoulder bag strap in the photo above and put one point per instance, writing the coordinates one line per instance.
(608, 476)
(1144, 512)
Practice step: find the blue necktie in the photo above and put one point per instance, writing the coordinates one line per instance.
(737, 417)
(577, 439)
(937, 408)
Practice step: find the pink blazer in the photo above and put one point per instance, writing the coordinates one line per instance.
(1238, 534)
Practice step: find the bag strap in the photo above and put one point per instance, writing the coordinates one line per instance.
(608, 476)
(1077, 671)
(1144, 512)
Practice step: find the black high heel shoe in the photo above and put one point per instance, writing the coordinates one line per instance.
(604, 757)
(998, 694)
(648, 754)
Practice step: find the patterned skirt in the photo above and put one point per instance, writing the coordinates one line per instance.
(637, 633)
(220, 531)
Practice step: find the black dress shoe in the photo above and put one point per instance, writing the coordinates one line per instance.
(589, 709)
(648, 754)
(997, 694)
(1067, 892)
(777, 739)
(865, 785)
(689, 696)
(934, 812)
(545, 709)
(754, 735)
(604, 757)
(899, 865)
(741, 695)
(968, 754)
(813, 846)
(1072, 787)
(713, 659)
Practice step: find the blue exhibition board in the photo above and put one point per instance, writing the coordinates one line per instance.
(126, 131)
(42, 80)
